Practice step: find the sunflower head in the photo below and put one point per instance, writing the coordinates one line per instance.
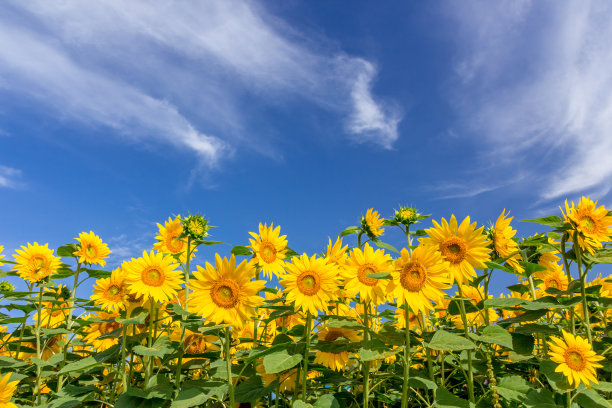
(270, 249)
(501, 235)
(372, 224)
(336, 361)
(408, 215)
(6, 287)
(171, 239)
(576, 359)
(111, 293)
(336, 253)
(153, 276)
(356, 273)
(7, 389)
(1, 255)
(195, 226)
(91, 249)
(590, 224)
(35, 262)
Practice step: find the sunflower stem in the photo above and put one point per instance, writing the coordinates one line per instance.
(38, 346)
(366, 364)
(585, 308)
(30, 285)
(406, 357)
(569, 283)
(124, 380)
(60, 380)
(306, 350)
(470, 376)
(149, 369)
(179, 364)
(228, 359)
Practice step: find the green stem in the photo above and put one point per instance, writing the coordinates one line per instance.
(585, 308)
(366, 364)
(306, 352)
(149, 368)
(179, 365)
(60, 381)
(406, 358)
(569, 283)
(38, 346)
(228, 359)
(124, 380)
(470, 376)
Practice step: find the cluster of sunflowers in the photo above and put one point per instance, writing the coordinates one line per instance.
(352, 326)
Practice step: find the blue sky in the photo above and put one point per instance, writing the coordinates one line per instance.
(116, 115)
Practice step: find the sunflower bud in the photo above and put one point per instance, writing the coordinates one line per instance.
(407, 215)
(6, 287)
(195, 226)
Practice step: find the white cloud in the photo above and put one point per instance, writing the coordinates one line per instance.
(9, 177)
(181, 72)
(535, 85)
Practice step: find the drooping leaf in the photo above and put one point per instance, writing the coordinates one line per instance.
(327, 401)
(446, 341)
(375, 350)
(513, 388)
(160, 348)
(496, 335)
(280, 361)
(445, 399)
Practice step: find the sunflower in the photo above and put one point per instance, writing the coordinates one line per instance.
(419, 279)
(339, 360)
(463, 246)
(111, 293)
(336, 253)
(226, 293)
(286, 379)
(552, 278)
(168, 241)
(270, 249)
(415, 321)
(505, 246)
(591, 223)
(7, 389)
(576, 359)
(372, 224)
(359, 265)
(53, 314)
(104, 323)
(35, 262)
(1, 256)
(311, 283)
(154, 276)
(91, 249)
(475, 295)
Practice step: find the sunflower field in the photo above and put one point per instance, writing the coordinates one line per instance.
(361, 324)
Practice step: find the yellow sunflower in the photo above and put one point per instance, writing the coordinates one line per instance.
(336, 253)
(226, 293)
(1, 256)
(53, 314)
(35, 262)
(576, 359)
(310, 282)
(419, 279)
(463, 246)
(153, 276)
(168, 241)
(99, 328)
(372, 224)
(7, 389)
(591, 223)
(505, 246)
(359, 265)
(111, 293)
(91, 249)
(475, 295)
(286, 379)
(270, 249)
(339, 360)
(415, 321)
(551, 278)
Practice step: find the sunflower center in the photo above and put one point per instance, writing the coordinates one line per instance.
(309, 283)
(174, 244)
(588, 223)
(193, 343)
(333, 335)
(364, 271)
(413, 277)
(153, 276)
(267, 252)
(454, 250)
(37, 261)
(225, 293)
(109, 327)
(553, 282)
(91, 251)
(113, 291)
(575, 359)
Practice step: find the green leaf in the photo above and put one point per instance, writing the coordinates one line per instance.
(380, 275)
(126, 400)
(9, 362)
(97, 273)
(444, 399)
(280, 361)
(557, 381)
(301, 404)
(454, 308)
(67, 250)
(445, 341)
(530, 316)
(493, 265)
(202, 242)
(65, 402)
(339, 323)
(522, 343)
(541, 398)
(552, 221)
(386, 246)
(241, 250)
(252, 389)
(531, 268)
(375, 350)
(140, 318)
(79, 365)
(391, 335)
(190, 397)
(504, 303)
(161, 347)
(513, 388)
(422, 382)
(496, 335)
(350, 230)
(602, 386)
(590, 398)
(327, 401)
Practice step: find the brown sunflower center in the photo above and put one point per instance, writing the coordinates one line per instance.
(587, 223)
(413, 277)
(454, 250)
(193, 344)
(174, 244)
(153, 276)
(225, 293)
(91, 251)
(109, 327)
(575, 359)
(332, 335)
(267, 252)
(364, 271)
(309, 283)
(553, 282)
(114, 291)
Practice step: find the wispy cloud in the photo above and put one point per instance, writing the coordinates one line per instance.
(9, 177)
(181, 72)
(124, 248)
(534, 84)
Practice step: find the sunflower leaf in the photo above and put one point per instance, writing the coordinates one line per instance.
(496, 335)
(446, 341)
(350, 230)
(160, 348)
(280, 361)
(241, 250)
